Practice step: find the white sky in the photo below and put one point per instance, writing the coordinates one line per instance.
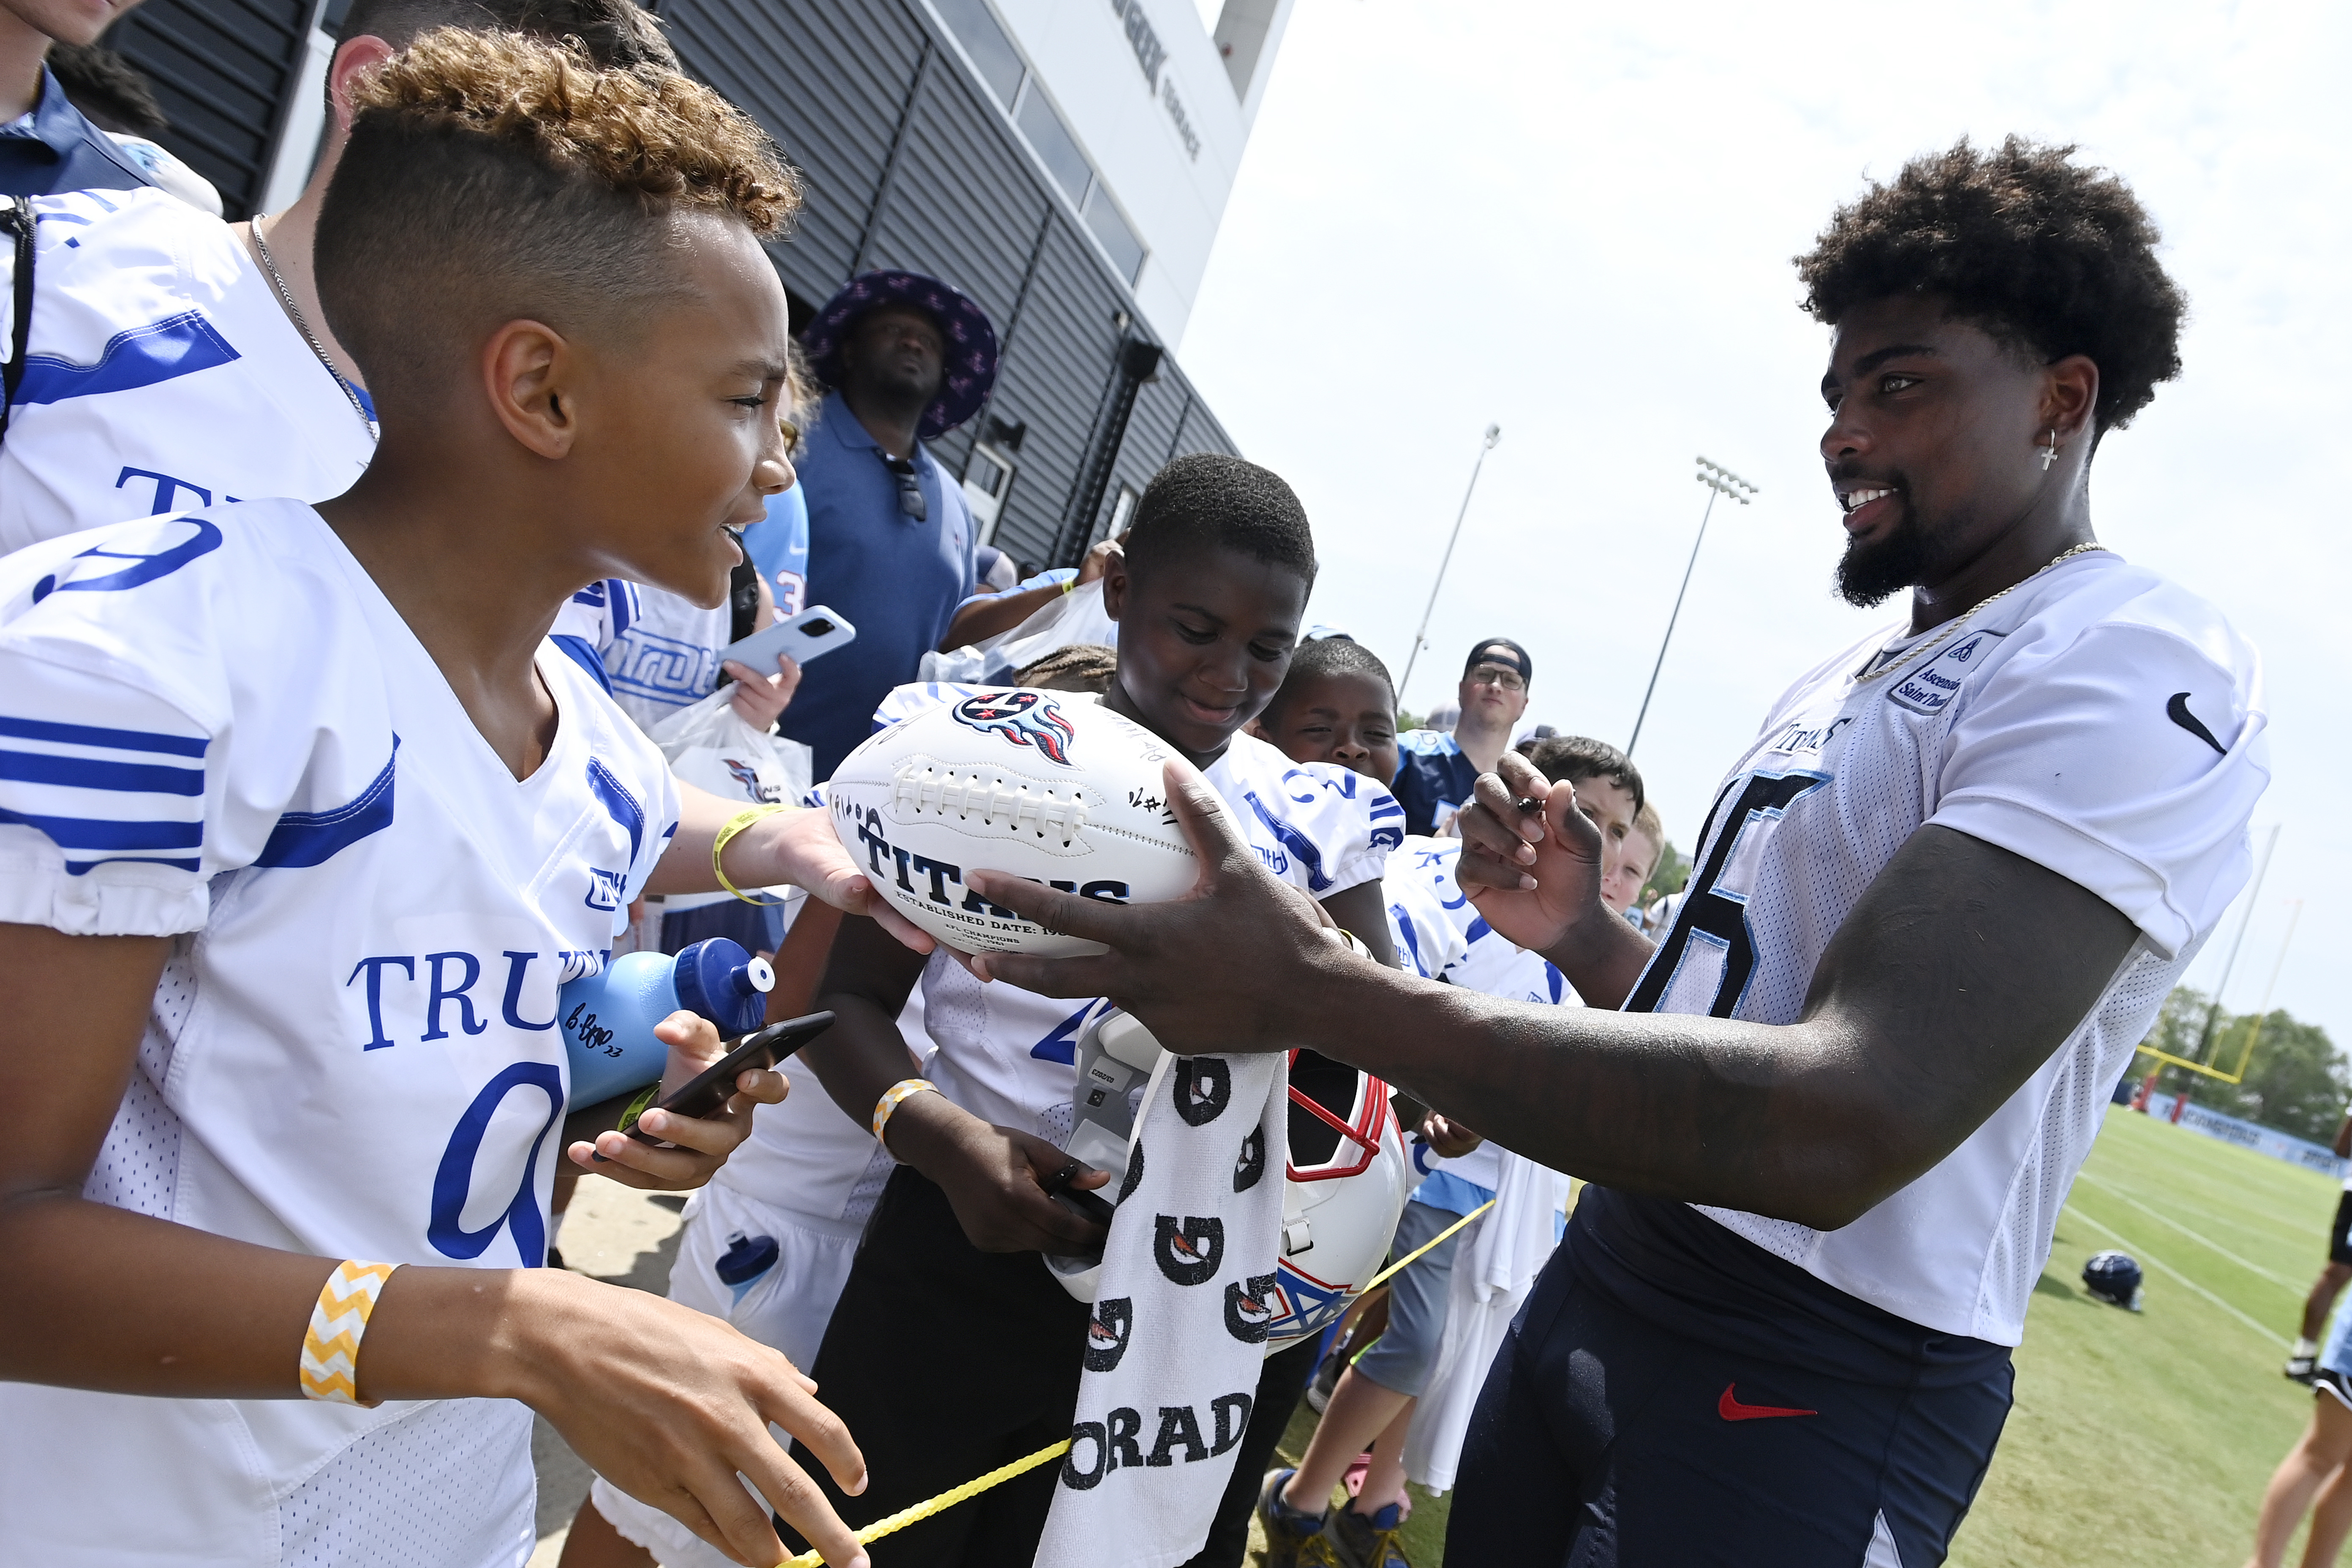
(1577, 220)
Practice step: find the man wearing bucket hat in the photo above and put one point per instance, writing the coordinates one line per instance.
(907, 358)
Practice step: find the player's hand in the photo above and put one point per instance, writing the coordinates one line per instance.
(1448, 1137)
(669, 1404)
(1533, 874)
(800, 848)
(1234, 965)
(995, 1179)
(761, 699)
(701, 1143)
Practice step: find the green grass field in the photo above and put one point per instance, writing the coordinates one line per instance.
(2136, 1438)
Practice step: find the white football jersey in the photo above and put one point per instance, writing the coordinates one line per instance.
(163, 375)
(1008, 1055)
(1475, 956)
(2097, 720)
(216, 729)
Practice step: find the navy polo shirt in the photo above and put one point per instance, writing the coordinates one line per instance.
(54, 149)
(1436, 782)
(897, 581)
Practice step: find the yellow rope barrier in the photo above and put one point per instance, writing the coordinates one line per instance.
(1425, 1247)
(946, 1500)
(972, 1488)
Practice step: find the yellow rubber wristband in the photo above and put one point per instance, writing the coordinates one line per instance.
(904, 1089)
(329, 1368)
(733, 826)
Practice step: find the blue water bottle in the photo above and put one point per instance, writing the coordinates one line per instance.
(609, 1018)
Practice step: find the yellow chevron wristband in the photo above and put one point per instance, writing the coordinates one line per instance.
(733, 826)
(339, 1321)
(904, 1089)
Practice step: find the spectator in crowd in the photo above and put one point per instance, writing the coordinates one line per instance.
(1623, 882)
(908, 358)
(115, 96)
(1440, 768)
(45, 144)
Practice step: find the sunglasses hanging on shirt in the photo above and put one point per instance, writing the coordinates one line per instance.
(910, 488)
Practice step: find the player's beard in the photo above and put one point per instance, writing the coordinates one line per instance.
(1867, 573)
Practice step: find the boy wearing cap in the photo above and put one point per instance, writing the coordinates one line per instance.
(907, 358)
(1440, 769)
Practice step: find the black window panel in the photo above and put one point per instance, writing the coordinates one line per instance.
(223, 71)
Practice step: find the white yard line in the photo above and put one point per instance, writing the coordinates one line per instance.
(2152, 1261)
(2206, 1241)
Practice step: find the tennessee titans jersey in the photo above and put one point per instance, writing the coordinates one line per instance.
(163, 375)
(2097, 720)
(1008, 1055)
(216, 730)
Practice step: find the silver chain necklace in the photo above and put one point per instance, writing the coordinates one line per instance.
(301, 325)
(1952, 627)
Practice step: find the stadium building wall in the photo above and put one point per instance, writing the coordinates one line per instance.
(909, 163)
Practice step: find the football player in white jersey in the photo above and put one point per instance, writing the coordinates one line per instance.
(303, 825)
(1935, 906)
(948, 1307)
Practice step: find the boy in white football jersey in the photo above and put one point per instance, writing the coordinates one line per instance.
(1935, 904)
(954, 1346)
(1336, 705)
(303, 825)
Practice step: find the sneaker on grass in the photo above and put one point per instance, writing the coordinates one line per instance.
(1294, 1537)
(1370, 1543)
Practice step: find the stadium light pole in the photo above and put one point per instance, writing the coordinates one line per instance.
(1718, 481)
(1420, 638)
(2213, 1012)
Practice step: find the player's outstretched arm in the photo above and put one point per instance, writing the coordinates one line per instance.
(791, 847)
(1959, 970)
(669, 1402)
(994, 1177)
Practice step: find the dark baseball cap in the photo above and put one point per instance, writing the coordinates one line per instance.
(1505, 652)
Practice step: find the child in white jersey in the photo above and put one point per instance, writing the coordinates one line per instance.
(303, 823)
(948, 1307)
(1336, 705)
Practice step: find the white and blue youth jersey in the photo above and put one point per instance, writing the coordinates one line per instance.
(216, 730)
(162, 375)
(1420, 889)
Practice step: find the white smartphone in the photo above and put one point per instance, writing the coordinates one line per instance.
(812, 632)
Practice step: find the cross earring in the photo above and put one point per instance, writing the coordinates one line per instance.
(2050, 454)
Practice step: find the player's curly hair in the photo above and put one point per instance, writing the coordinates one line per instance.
(2054, 257)
(514, 176)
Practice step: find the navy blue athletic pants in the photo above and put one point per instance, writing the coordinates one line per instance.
(1612, 1437)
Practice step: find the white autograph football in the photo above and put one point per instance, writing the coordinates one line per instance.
(1043, 784)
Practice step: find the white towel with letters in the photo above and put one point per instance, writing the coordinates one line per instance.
(1178, 1330)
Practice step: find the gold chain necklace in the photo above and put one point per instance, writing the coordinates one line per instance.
(1952, 627)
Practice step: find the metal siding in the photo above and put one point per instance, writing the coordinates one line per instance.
(829, 81)
(222, 70)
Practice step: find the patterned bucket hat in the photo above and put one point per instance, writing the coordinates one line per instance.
(970, 367)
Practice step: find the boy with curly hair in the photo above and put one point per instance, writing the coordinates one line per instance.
(1829, 1116)
(302, 824)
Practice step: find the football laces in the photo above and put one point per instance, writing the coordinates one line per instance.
(918, 787)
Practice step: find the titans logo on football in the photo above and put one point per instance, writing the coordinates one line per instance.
(1029, 719)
